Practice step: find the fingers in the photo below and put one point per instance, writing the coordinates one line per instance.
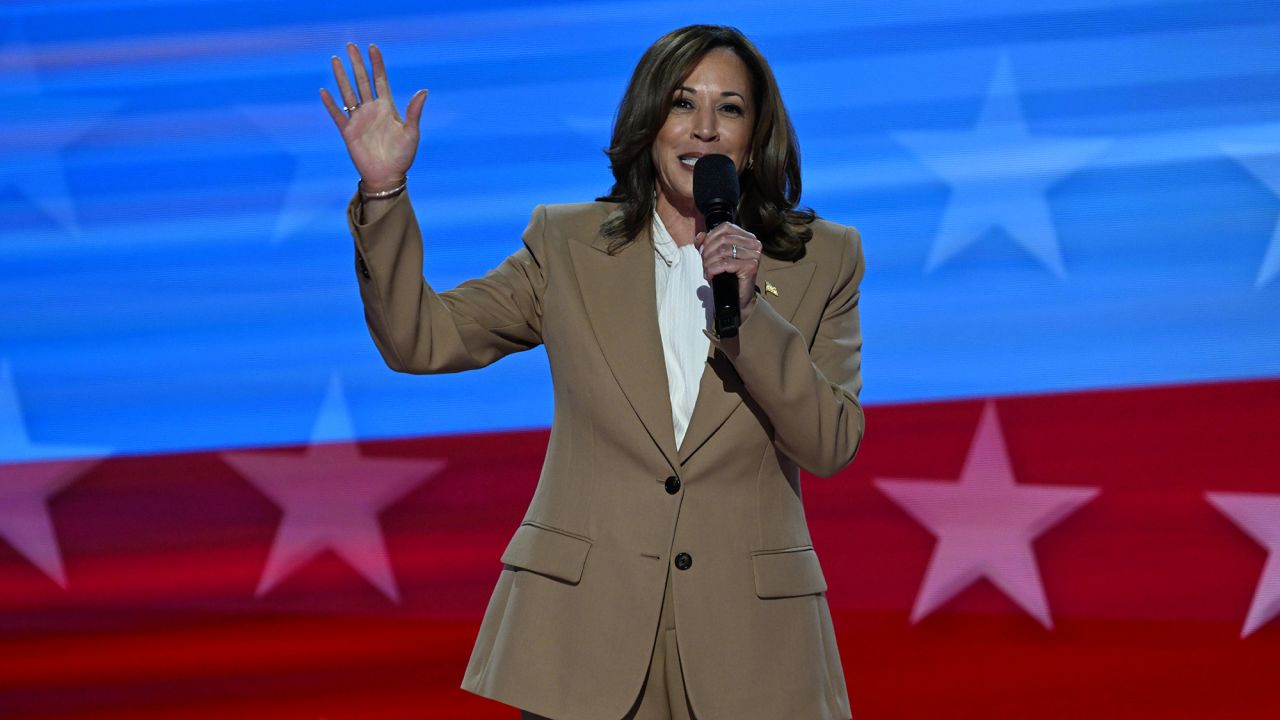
(730, 249)
(742, 267)
(732, 252)
(730, 241)
(349, 98)
(362, 92)
(746, 264)
(380, 84)
(729, 230)
(413, 113)
(335, 112)
(362, 75)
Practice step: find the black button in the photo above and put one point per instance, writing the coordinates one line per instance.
(672, 484)
(364, 269)
(684, 561)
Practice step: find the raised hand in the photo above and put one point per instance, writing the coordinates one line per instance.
(381, 144)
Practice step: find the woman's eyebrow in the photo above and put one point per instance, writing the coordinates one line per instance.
(686, 88)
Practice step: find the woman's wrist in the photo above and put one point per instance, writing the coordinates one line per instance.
(382, 189)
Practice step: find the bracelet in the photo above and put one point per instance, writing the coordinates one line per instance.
(383, 194)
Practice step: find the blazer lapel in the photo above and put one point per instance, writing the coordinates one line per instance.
(721, 390)
(618, 292)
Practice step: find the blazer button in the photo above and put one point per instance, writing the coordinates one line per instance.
(364, 269)
(672, 485)
(684, 561)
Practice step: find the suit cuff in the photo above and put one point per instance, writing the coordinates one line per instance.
(758, 352)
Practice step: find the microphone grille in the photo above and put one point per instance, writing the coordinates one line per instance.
(715, 180)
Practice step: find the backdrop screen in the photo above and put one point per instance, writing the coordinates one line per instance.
(1068, 500)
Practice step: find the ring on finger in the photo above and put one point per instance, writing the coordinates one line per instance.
(733, 251)
(350, 108)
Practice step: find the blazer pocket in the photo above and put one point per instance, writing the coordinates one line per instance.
(547, 551)
(790, 572)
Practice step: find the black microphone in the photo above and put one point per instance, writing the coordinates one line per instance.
(715, 193)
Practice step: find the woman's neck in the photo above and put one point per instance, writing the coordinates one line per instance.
(682, 220)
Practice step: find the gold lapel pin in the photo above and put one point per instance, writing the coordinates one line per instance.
(769, 288)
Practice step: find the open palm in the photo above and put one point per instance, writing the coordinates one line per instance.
(381, 144)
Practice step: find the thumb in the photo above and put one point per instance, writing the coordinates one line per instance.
(413, 113)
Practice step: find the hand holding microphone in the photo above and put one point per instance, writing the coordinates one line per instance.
(730, 255)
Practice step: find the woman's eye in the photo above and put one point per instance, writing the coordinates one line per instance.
(681, 103)
(732, 109)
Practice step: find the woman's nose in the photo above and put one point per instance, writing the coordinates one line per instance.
(704, 125)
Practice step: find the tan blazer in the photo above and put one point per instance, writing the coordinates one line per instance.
(571, 625)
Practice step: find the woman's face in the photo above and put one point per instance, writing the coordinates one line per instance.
(711, 112)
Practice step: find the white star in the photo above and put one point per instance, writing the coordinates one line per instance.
(35, 128)
(999, 174)
(1258, 515)
(985, 523)
(331, 497)
(1264, 162)
(28, 479)
(323, 179)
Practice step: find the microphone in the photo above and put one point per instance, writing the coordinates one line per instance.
(715, 194)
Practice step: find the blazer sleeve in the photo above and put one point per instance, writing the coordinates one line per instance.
(810, 393)
(418, 330)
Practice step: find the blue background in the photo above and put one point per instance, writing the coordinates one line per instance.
(1063, 195)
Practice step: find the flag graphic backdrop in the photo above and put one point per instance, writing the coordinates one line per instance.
(216, 501)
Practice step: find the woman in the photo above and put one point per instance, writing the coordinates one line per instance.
(664, 567)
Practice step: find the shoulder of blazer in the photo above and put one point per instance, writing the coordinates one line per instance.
(832, 237)
(832, 245)
(580, 221)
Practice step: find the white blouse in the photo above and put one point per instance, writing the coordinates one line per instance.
(684, 311)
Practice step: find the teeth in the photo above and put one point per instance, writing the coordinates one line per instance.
(689, 161)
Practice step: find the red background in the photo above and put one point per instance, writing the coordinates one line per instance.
(1148, 584)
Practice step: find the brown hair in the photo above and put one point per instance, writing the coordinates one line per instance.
(771, 181)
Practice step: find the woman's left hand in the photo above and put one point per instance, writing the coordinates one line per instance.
(731, 249)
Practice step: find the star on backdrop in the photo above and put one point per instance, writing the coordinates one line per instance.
(985, 523)
(1263, 161)
(999, 175)
(29, 478)
(31, 142)
(331, 496)
(1258, 515)
(323, 178)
